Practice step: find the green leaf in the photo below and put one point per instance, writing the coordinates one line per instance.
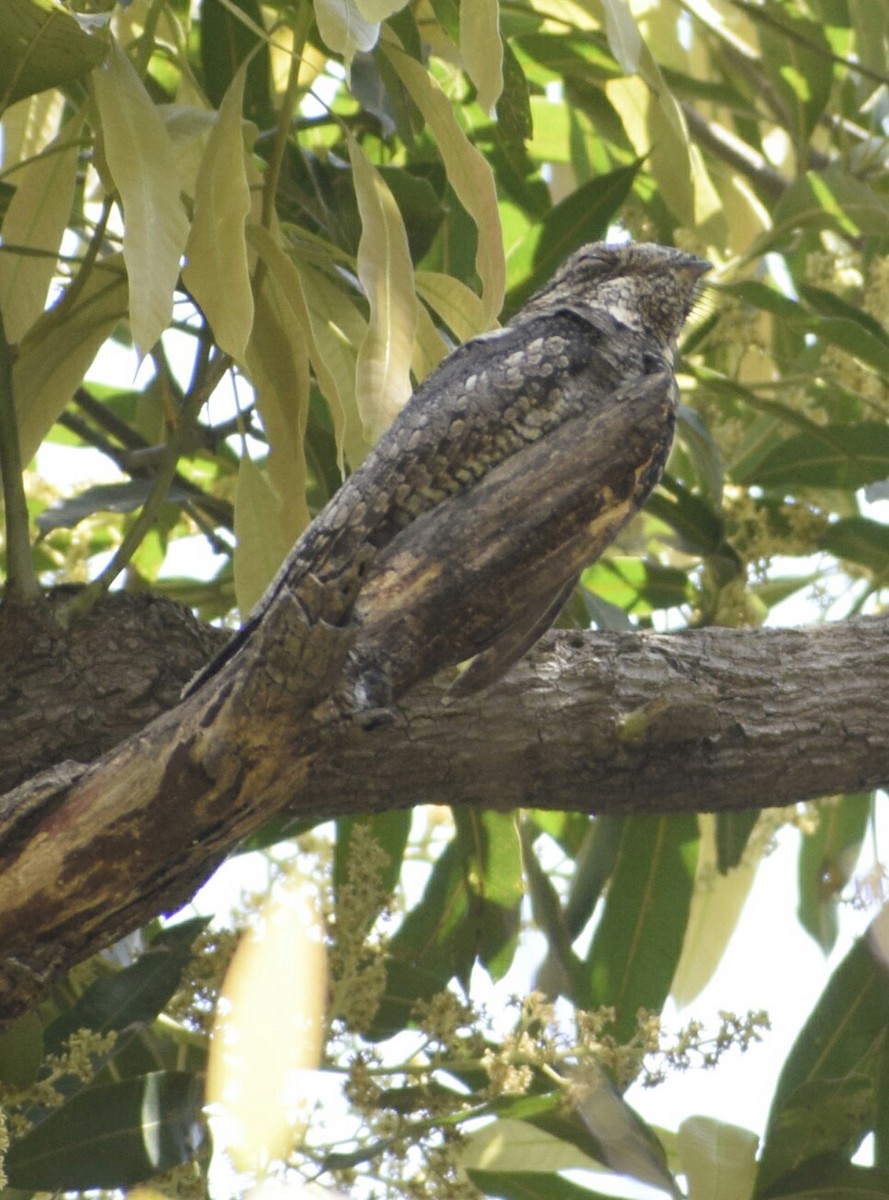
(344, 28)
(113, 1136)
(469, 909)
(858, 540)
(831, 1179)
(261, 531)
(638, 940)
(42, 46)
(795, 55)
(226, 42)
(624, 1142)
(636, 586)
(453, 302)
(827, 860)
(845, 1030)
(594, 865)
(518, 1146)
(379, 10)
(530, 1185)
(59, 348)
(829, 199)
(104, 497)
(699, 526)
(21, 1050)
(822, 1118)
(733, 831)
(131, 997)
(278, 362)
(492, 853)
(583, 216)
(833, 456)
(703, 451)
(624, 39)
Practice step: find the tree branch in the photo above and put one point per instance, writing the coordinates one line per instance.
(712, 719)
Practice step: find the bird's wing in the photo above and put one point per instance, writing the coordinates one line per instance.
(530, 625)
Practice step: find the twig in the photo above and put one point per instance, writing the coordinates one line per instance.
(21, 580)
(137, 531)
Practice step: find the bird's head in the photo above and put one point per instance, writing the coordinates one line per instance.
(643, 285)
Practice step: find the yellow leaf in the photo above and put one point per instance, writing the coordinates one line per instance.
(142, 163)
(715, 909)
(278, 364)
(189, 127)
(718, 1159)
(269, 1032)
(58, 349)
(36, 220)
(379, 10)
(429, 346)
(30, 125)
(324, 313)
(455, 303)
(216, 273)
(344, 30)
(387, 276)
(624, 39)
(262, 543)
(482, 49)
(338, 329)
(468, 173)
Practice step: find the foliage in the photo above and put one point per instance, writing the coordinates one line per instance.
(353, 187)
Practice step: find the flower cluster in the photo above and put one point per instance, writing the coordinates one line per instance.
(357, 962)
(82, 1056)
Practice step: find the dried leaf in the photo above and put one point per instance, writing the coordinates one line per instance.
(142, 163)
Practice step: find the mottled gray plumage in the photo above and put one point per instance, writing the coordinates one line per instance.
(610, 314)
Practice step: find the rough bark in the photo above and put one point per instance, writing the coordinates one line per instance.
(706, 720)
(76, 692)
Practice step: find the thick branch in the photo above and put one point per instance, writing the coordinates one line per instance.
(706, 720)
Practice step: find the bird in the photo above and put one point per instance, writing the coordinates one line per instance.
(603, 327)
